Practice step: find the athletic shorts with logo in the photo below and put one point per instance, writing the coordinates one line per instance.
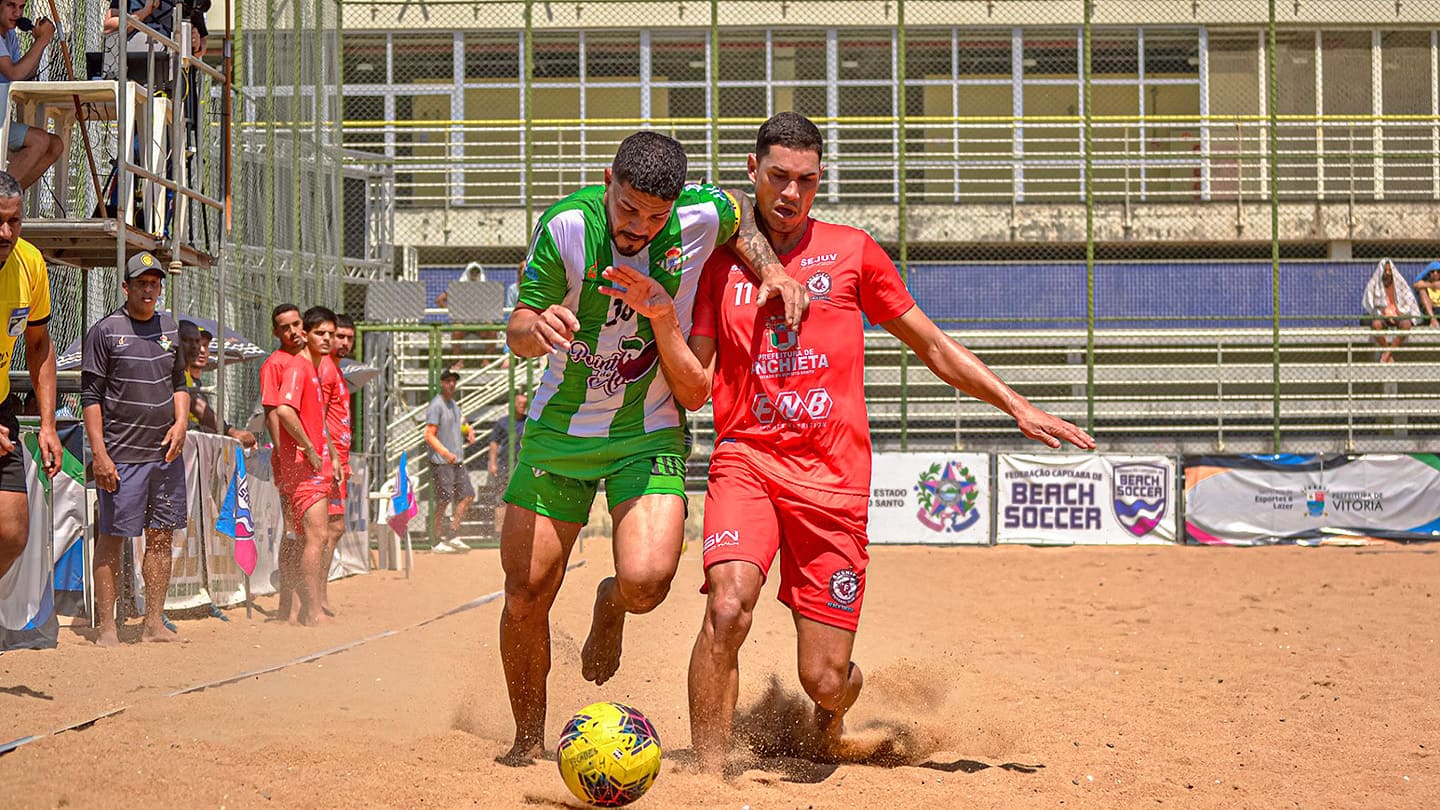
(750, 515)
(150, 495)
(569, 499)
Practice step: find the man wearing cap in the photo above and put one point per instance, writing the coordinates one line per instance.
(25, 301)
(132, 388)
(195, 345)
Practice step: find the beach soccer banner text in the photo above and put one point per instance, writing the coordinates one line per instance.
(1085, 499)
(941, 498)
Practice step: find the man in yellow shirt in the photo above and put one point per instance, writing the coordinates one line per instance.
(25, 303)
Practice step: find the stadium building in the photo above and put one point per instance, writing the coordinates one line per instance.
(1157, 221)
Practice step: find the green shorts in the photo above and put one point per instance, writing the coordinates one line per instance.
(569, 499)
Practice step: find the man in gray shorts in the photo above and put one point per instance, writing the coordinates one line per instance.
(132, 387)
(32, 150)
(447, 434)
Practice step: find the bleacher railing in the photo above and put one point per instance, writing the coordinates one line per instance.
(1156, 159)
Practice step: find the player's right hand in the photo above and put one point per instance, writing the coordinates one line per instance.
(314, 459)
(555, 328)
(106, 476)
(791, 292)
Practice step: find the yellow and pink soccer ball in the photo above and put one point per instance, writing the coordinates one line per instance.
(609, 754)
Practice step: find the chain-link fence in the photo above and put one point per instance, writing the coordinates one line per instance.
(308, 223)
(1159, 220)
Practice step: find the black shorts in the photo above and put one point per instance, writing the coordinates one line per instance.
(452, 482)
(12, 464)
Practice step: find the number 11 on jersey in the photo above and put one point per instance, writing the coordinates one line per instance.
(744, 292)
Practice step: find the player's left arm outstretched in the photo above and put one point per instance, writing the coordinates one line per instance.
(959, 367)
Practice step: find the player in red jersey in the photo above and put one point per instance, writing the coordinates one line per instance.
(336, 396)
(289, 329)
(306, 449)
(337, 425)
(791, 465)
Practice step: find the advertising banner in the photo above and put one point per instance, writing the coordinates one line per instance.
(1311, 499)
(940, 498)
(1085, 499)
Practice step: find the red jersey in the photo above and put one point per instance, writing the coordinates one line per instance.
(272, 376)
(799, 394)
(301, 390)
(337, 408)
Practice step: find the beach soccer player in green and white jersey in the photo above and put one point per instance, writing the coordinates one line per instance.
(602, 410)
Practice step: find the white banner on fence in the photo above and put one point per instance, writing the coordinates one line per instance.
(204, 570)
(1311, 500)
(25, 588)
(1085, 499)
(940, 498)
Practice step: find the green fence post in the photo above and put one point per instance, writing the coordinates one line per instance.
(1272, 92)
(715, 91)
(904, 217)
(1089, 225)
(527, 114)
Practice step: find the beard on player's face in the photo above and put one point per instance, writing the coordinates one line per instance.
(636, 218)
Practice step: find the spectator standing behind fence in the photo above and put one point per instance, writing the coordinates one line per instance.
(132, 388)
(1390, 304)
(195, 347)
(32, 150)
(25, 301)
(1427, 289)
(447, 474)
(500, 452)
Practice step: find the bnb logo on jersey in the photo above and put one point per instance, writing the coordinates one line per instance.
(791, 406)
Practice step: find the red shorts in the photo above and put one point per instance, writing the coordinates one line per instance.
(336, 506)
(750, 515)
(309, 491)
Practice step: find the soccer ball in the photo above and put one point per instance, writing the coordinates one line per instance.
(609, 754)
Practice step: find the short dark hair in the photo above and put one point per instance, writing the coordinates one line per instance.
(790, 130)
(343, 321)
(314, 316)
(9, 186)
(651, 163)
(449, 375)
(281, 309)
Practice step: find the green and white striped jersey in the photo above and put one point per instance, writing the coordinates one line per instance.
(606, 399)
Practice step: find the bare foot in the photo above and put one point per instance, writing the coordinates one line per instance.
(159, 633)
(108, 638)
(522, 754)
(316, 619)
(600, 658)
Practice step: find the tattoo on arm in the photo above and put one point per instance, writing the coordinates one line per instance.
(750, 241)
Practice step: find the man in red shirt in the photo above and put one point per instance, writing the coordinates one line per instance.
(306, 449)
(289, 329)
(791, 465)
(336, 395)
